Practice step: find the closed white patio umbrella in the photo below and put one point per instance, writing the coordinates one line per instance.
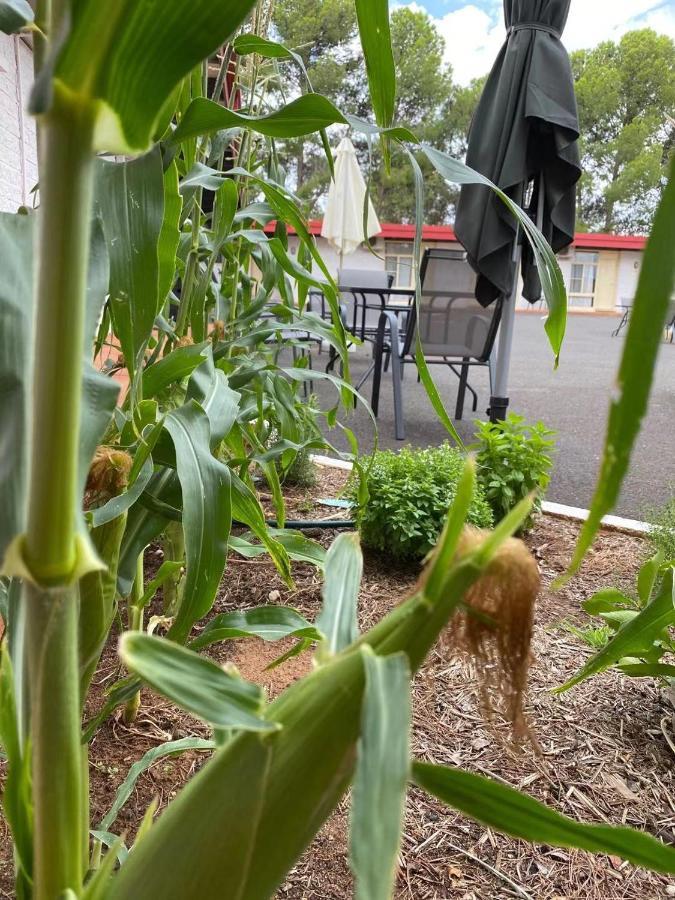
(343, 218)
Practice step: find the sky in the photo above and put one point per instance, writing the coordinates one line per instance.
(474, 31)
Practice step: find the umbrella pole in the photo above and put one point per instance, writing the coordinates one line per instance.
(499, 401)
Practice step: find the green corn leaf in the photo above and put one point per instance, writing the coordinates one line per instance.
(342, 579)
(246, 509)
(647, 576)
(98, 280)
(552, 282)
(270, 623)
(209, 387)
(117, 695)
(167, 570)
(298, 547)
(169, 235)
(245, 44)
(174, 367)
(340, 384)
(373, 19)
(194, 683)
(118, 847)
(16, 341)
(449, 539)
(98, 591)
(203, 176)
(16, 802)
(420, 359)
(130, 197)
(511, 812)
(120, 504)
(15, 15)
(381, 777)
(603, 601)
(252, 43)
(143, 526)
(207, 513)
(648, 670)
(124, 791)
(636, 372)
(299, 647)
(99, 398)
(106, 61)
(16, 328)
(300, 117)
(96, 887)
(396, 132)
(634, 638)
(226, 210)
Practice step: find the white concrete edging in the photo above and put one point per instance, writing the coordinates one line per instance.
(559, 510)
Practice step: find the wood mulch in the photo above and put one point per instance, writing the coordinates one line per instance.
(605, 747)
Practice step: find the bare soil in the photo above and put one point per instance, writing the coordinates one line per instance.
(605, 746)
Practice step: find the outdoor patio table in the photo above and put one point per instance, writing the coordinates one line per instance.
(395, 299)
(392, 299)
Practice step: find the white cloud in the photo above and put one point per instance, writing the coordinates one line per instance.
(473, 35)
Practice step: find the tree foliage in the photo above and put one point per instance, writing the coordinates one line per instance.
(625, 91)
(427, 99)
(626, 96)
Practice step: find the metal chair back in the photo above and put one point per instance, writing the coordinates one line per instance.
(452, 323)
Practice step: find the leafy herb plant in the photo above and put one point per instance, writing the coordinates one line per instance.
(409, 493)
(662, 532)
(513, 460)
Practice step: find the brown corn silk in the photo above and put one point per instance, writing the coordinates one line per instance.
(494, 626)
(108, 475)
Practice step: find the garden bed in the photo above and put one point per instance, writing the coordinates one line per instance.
(604, 746)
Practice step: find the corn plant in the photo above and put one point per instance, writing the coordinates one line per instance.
(639, 642)
(127, 81)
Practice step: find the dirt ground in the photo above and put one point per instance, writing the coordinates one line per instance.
(605, 747)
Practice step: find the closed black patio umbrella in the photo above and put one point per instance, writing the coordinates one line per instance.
(524, 131)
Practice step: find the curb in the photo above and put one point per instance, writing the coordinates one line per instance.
(559, 510)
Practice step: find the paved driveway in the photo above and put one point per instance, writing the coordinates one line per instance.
(574, 401)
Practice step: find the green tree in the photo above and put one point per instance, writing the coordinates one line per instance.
(325, 35)
(428, 100)
(423, 102)
(626, 96)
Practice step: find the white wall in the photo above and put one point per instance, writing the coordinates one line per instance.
(629, 271)
(18, 149)
(359, 259)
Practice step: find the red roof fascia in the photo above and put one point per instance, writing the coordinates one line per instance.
(390, 231)
(394, 231)
(610, 241)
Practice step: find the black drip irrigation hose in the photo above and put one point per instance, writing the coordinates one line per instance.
(170, 512)
(308, 524)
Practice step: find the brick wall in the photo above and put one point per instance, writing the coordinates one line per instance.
(18, 151)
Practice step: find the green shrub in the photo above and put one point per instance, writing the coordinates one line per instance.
(662, 532)
(409, 495)
(513, 458)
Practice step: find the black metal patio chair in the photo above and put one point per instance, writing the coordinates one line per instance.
(454, 330)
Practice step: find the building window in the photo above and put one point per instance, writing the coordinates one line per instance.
(398, 258)
(583, 277)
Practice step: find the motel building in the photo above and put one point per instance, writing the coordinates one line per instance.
(600, 270)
